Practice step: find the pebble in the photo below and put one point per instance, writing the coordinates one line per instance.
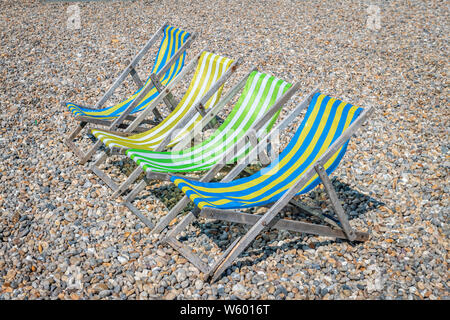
(122, 259)
(62, 237)
(198, 284)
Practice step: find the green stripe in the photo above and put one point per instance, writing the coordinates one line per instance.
(219, 148)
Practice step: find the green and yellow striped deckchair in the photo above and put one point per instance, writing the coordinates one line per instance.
(313, 153)
(255, 112)
(203, 93)
(168, 64)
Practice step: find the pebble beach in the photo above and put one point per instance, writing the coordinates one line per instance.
(61, 235)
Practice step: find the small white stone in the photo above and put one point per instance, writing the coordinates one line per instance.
(198, 284)
(122, 259)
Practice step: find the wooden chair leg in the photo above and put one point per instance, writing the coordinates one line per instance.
(188, 253)
(76, 131)
(238, 248)
(184, 250)
(128, 203)
(110, 183)
(164, 222)
(139, 214)
(71, 144)
(124, 186)
(230, 254)
(335, 202)
(96, 169)
(90, 152)
(280, 224)
(304, 209)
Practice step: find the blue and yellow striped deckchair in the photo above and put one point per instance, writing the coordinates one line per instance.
(313, 153)
(168, 64)
(171, 42)
(204, 90)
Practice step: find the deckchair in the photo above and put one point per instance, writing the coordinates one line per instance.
(168, 63)
(203, 93)
(254, 114)
(313, 153)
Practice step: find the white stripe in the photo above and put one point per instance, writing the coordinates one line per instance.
(110, 137)
(199, 152)
(165, 156)
(197, 116)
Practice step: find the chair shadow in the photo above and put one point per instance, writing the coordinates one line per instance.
(355, 203)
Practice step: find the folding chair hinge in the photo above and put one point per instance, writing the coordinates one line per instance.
(201, 109)
(196, 212)
(169, 99)
(262, 154)
(135, 77)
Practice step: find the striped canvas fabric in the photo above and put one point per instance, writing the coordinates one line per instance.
(326, 119)
(172, 40)
(259, 94)
(209, 69)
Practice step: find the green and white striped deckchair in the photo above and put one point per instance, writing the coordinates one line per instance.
(313, 153)
(203, 93)
(168, 64)
(252, 116)
(260, 93)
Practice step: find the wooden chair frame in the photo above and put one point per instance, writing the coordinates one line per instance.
(208, 113)
(269, 219)
(118, 123)
(250, 136)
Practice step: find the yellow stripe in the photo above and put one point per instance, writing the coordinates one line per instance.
(174, 46)
(180, 59)
(162, 49)
(200, 76)
(322, 150)
(217, 63)
(221, 67)
(158, 61)
(283, 162)
(128, 142)
(325, 146)
(189, 104)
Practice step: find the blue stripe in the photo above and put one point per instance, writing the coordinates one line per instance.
(167, 33)
(182, 37)
(264, 171)
(301, 151)
(289, 164)
(341, 154)
(303, 148)
(295, 175)
(174, 48)
(169, 74)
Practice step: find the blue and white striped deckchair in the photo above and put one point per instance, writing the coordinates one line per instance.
(313, 153)
(168, 64)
